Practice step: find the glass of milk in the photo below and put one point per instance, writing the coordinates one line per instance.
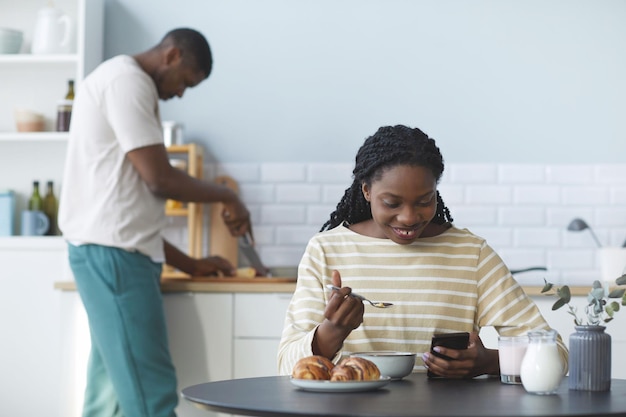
(511, 350)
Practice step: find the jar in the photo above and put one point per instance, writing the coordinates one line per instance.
(172, 133)
(541, 371)
(64, 115)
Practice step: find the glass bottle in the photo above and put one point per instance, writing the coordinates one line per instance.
(541, 371)
(35, 202)
(50, 208)
(70, 90)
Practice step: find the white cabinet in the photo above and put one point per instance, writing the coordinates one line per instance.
(37, 82)
(30, 319)
(200, 337)
(258, 321)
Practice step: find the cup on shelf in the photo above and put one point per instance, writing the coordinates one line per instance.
(34, 223)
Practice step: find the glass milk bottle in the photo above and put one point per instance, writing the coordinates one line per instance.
(541, 370)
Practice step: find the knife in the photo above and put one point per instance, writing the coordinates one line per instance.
(251, 254)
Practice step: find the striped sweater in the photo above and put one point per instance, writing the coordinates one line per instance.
(453, 282)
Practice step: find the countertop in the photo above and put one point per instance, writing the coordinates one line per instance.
(259, 285)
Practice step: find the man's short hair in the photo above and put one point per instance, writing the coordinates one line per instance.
(194, 48)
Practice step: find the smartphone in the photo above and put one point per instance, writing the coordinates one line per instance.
(457, 341)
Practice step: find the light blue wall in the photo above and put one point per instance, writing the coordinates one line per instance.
(305, 81)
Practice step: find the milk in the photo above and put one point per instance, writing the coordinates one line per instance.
(541, 370)
(511, 354)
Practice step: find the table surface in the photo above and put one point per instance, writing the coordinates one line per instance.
(413, 396)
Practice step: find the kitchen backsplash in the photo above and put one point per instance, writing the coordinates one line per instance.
(521, 209)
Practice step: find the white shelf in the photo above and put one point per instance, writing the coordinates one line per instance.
(33, 136)
(22, 243)
(37, 82)
(39, 59)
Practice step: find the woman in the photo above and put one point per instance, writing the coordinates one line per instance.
(391, 238)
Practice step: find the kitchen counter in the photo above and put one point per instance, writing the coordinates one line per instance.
(259, 285)
(214, 285)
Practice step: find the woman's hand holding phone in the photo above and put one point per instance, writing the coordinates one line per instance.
(439, 347)
(460, 356)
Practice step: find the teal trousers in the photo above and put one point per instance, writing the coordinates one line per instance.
(130, 371)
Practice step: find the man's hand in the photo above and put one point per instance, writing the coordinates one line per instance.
(213, 265)
(237, 218)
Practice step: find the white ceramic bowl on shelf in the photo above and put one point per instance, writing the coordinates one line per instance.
(28, 120)
(10, 41)
(395, 365)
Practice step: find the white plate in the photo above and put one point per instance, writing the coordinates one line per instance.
(339, 386)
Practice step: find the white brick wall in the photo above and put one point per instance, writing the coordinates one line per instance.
(521, 209)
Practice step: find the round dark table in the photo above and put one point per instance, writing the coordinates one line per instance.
(414, 396)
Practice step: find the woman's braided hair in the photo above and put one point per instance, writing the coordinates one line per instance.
(389, 147)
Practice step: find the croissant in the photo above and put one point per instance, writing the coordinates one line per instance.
(312, 367)
(343, 373)
(365, 369)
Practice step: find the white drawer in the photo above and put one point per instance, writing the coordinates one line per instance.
(260, 315)
(255, 357)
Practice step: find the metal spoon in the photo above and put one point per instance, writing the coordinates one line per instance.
(577, 225)
(377, 304)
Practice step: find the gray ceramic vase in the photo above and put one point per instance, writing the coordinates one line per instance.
(590, 359)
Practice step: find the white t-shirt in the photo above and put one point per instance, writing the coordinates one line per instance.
(103, 199)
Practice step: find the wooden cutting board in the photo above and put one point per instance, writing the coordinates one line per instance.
(221, 242)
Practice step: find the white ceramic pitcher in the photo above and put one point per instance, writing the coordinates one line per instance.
(53, 32)
(541, 369)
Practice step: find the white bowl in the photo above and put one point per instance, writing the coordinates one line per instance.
(395, 365)
(28, 120)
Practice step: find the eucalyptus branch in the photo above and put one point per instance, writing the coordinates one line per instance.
(599, 308)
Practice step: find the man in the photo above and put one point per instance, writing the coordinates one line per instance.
(117, 177)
